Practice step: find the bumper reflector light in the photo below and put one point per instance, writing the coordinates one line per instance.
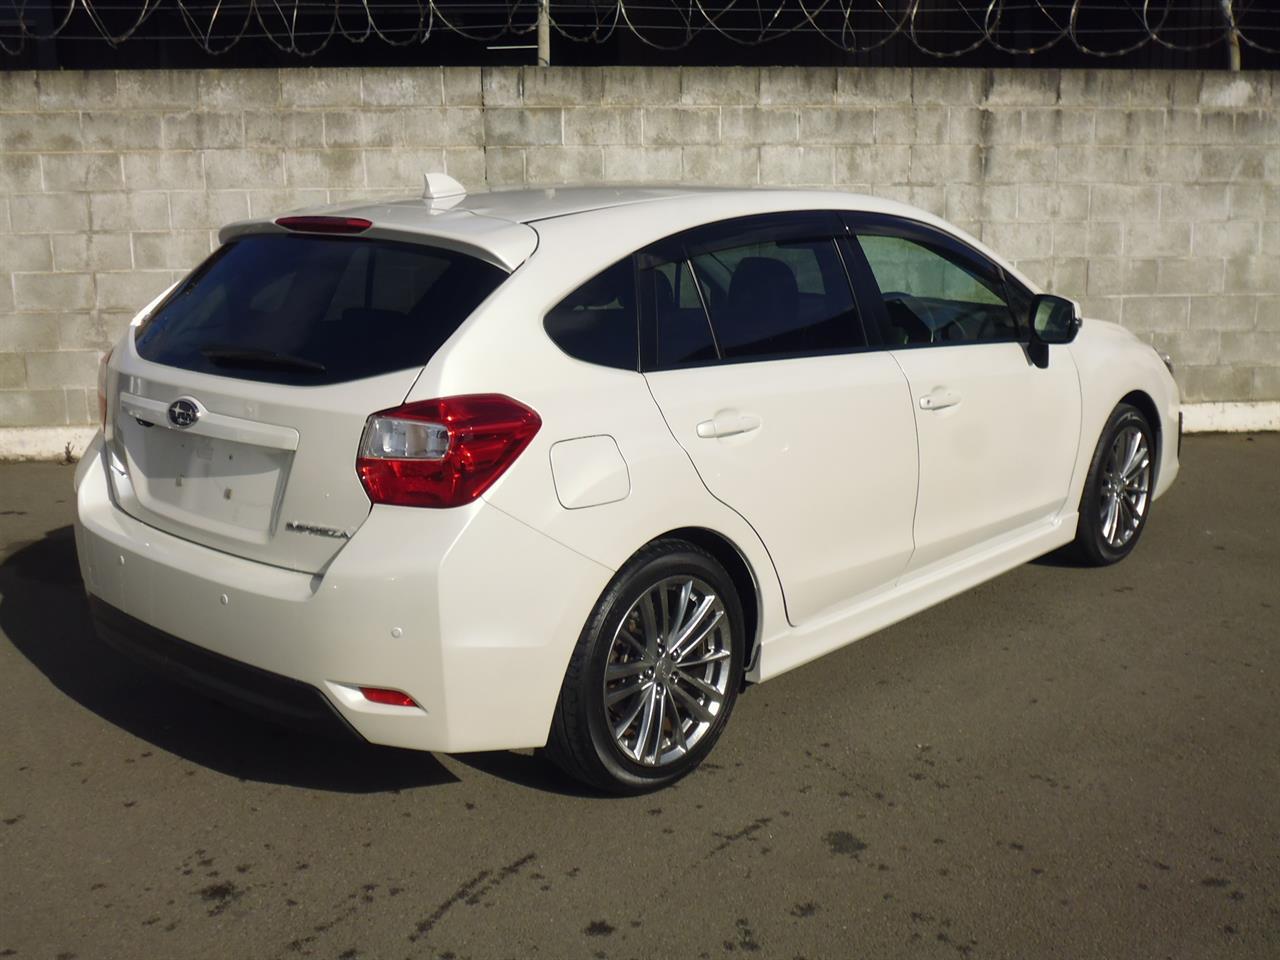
(390, 698)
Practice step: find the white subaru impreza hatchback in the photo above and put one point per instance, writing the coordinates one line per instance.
(570, 467)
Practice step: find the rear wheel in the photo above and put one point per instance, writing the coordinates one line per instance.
(654, 675)
(1117, 492)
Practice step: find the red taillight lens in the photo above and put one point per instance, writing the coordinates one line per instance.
(325, 224)
(442, 453)
(392, 698)
(102, 388)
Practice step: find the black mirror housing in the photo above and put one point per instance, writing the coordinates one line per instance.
(1053, 320)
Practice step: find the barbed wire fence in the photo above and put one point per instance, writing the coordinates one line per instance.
(942, 29)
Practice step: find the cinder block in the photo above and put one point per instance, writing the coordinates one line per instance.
(50, 213)
(423, 127)
(115, 212)
(500, 86)
(119, 131)
(1023, 240)
(154, 89)
(1235, 163)
(27, 254)
(945, 85)
(1094, 87)
(1189, 347)
(681, 126)
(13, 371)
(343, 130)
(1255, 348)
(283, 128)
(601, 125)
(168, 170)
(1167, 238)
(1124, 201)
(1103, 277)
(1140, 276)
(464, 127)
(1270, 244)
(1194, 276)
(63, 368)
(719, 86)
(1023, 87)
(979, 202)
(82, 331)
(20, 333)
(1232, 90)
(1053, 201)
(795, 165)
(1144, 314)
(78, 172)
(1102, 308)
(640, 86)
(466, 165)
(1214, 383)
(1129, 127)
(911, 125)
(18, 92)
(385, 87)
(76, 89)
(944, 163)
(836, 125)
(721, 165)
(240, 169)
(797, 85)
(1181, 201)
(1105, 239)
(399, 169)
(511, 127)
(1070, 239)
(1224, 312)
(1155, 164)
(1251, 275)
(964, 125)
(274, 203)
(872, 166)
(32, 408)
(331, 86)
(132, 290)
(873, 85)
(1056, 126)
(563, 86)
(1092, 164)
(1183, 126)
(564, 165)
(1257, 126)
(19, 172)
(92, 252)
(207, 210)
(1004, 164)
(51, 292)
(462, 86)
(642, 164)
(40, 131)
(196, 131)
(1231, 239)
(1069, 277)
(504, 166)
(754, 125)
(174, 250)
(232, 89)
(1266, 383)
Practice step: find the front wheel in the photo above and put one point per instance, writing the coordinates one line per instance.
(1118, 489)
(655, 673)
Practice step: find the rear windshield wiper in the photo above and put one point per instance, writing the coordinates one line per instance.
(248, 357)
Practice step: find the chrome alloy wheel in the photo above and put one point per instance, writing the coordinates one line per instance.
(667, 672)
(1125, 490)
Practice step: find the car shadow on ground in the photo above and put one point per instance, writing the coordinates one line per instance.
(44, 614)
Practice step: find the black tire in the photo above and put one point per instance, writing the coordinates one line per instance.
(582, 741)
(1093, 545)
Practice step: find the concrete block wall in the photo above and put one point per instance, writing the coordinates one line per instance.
(1152, 197)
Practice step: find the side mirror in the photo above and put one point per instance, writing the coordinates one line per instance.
(1054, 320)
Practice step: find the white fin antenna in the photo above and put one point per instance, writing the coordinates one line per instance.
(441, 186)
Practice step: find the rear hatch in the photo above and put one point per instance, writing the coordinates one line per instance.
(237, 407)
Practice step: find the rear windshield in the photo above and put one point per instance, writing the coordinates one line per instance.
(315, 310)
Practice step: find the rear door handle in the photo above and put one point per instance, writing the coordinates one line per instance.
(728, 424)
(939, 400)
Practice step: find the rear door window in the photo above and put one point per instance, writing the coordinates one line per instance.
(316, 310)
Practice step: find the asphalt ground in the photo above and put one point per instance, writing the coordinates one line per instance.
(1063, 762)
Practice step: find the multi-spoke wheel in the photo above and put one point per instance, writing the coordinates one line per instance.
(655, 673)
(1117, 492)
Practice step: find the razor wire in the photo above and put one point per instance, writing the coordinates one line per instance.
(936, 28)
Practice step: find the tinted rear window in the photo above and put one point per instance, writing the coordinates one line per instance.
(315, 310)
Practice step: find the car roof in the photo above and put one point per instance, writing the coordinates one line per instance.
(495, 225)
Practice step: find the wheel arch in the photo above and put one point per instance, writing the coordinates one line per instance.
(727, 554)
(1142, 400)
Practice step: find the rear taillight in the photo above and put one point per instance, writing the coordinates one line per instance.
(325, 224)
(442, 453)
(102, 389)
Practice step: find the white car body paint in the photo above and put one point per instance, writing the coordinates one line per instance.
(850, 505)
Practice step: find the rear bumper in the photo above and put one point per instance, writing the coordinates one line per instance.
(470, 612)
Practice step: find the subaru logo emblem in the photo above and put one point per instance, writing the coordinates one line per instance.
(183, 413)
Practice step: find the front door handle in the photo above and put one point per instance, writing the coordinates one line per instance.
(728, 424)
(939, 400)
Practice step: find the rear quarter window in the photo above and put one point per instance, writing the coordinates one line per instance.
(597, 322)
(316, 310)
